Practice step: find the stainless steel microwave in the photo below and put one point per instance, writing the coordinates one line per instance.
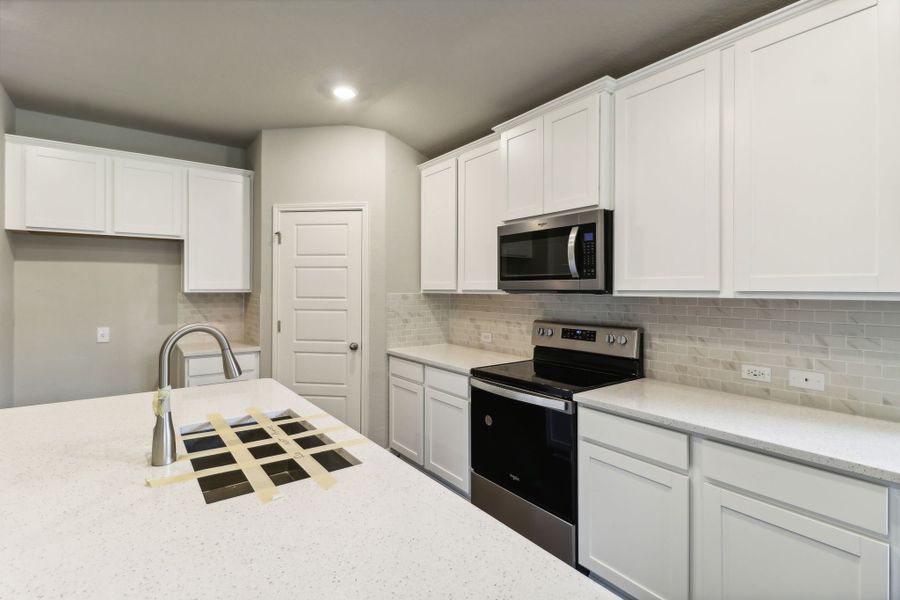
(569, 253)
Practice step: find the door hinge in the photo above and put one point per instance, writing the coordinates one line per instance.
(279, 326)
(278, 237)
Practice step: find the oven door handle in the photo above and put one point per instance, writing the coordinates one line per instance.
(573, 237)
(556, 404)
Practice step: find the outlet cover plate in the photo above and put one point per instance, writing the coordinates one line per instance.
(754, 373)
(102, 335)
(808, 380)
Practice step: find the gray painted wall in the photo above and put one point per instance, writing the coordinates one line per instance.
(332, 165)
(68, 285)
(7, 124)
(90, 133)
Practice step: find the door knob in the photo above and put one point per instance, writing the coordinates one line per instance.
(354, 346)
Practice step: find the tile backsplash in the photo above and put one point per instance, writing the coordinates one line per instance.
(224, 311)
(695, 341)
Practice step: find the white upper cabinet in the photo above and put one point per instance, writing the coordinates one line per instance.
(522, 152)
(148, 198)
(439, 226)
(217, 245)
(559, 158)
(572, 155)
(817, 149)
(64, 189)
(480, 188)
(667, 193)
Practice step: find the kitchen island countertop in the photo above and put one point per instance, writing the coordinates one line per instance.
(80, 522)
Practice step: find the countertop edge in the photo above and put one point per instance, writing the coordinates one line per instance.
(425, 361)
(842, 466)
(408, 354)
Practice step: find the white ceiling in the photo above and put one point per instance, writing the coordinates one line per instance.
(435, 73)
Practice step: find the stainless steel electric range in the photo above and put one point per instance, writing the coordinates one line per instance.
(524, 427)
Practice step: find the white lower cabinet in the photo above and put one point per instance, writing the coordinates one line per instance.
(447, 437)
(633, 519)
(760, 527)
(429, 420)
(753, 549)
(406, 423)
(206, 369)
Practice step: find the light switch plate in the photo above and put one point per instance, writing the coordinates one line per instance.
(102, 335)
(808, 380)
(487, 337)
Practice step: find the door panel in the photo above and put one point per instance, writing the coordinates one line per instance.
(667, 179)
(439, 226)
(320, 309)
(447, 437)
(751, 549)
(572, 155)
(148, 198)
(634, 520)
(480, 193)
(817, 144)
(522, 158)
(65, 189)
(407, 421)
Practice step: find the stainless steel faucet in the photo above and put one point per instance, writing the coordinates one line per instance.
(164, 431)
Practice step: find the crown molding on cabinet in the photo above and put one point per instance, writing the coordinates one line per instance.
(462, 149)
(45, 143)
(604, 84)
(722, 40)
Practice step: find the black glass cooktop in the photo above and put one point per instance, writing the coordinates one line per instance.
(553, 379)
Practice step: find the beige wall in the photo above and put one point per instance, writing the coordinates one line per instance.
(332, 165)
(7, 123)
(67, 285)
(90, 133)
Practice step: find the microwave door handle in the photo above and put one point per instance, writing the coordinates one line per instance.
(573, 267)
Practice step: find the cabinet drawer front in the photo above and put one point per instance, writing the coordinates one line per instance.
(212, 378)
(656, 444)
(849, 500)
(407, 370)
(211, 365)
(452, 383)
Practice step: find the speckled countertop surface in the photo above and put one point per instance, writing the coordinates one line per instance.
(854, 445)
(79, 522)
(207, 346)
(459, 359)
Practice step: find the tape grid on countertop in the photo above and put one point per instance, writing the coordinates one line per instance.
(263, 486)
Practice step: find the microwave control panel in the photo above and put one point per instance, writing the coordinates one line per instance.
(589, 252)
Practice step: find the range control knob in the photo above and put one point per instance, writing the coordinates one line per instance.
(623, 340)
(610, 338)
(540, 331)
(548, 331)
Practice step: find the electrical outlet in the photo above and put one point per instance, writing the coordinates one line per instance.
(809, 380)
(754, 373)
(102, 335)
(487, 337)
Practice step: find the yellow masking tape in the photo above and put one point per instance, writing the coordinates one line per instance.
(213, 451)
(259, 480)
(294, 450)
(191, 436)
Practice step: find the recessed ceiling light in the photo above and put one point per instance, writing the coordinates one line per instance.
(344, 92)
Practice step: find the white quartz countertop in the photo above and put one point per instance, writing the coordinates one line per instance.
(78, 520)
(459, 359)
(855, 445)
(207, 346)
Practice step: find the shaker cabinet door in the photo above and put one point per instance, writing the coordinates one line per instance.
(522, 157)
(447, 438)
(65, 190)
(572, 155)
(817, 149)
(753, 549)
(407, 419)
(439, 227)
(633, 523)
(148, 198)
(479, 192)
(667, 193)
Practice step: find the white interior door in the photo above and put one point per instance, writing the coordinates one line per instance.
(319, 351)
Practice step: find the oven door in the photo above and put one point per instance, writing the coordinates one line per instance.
(525, 443)
(565, 253)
